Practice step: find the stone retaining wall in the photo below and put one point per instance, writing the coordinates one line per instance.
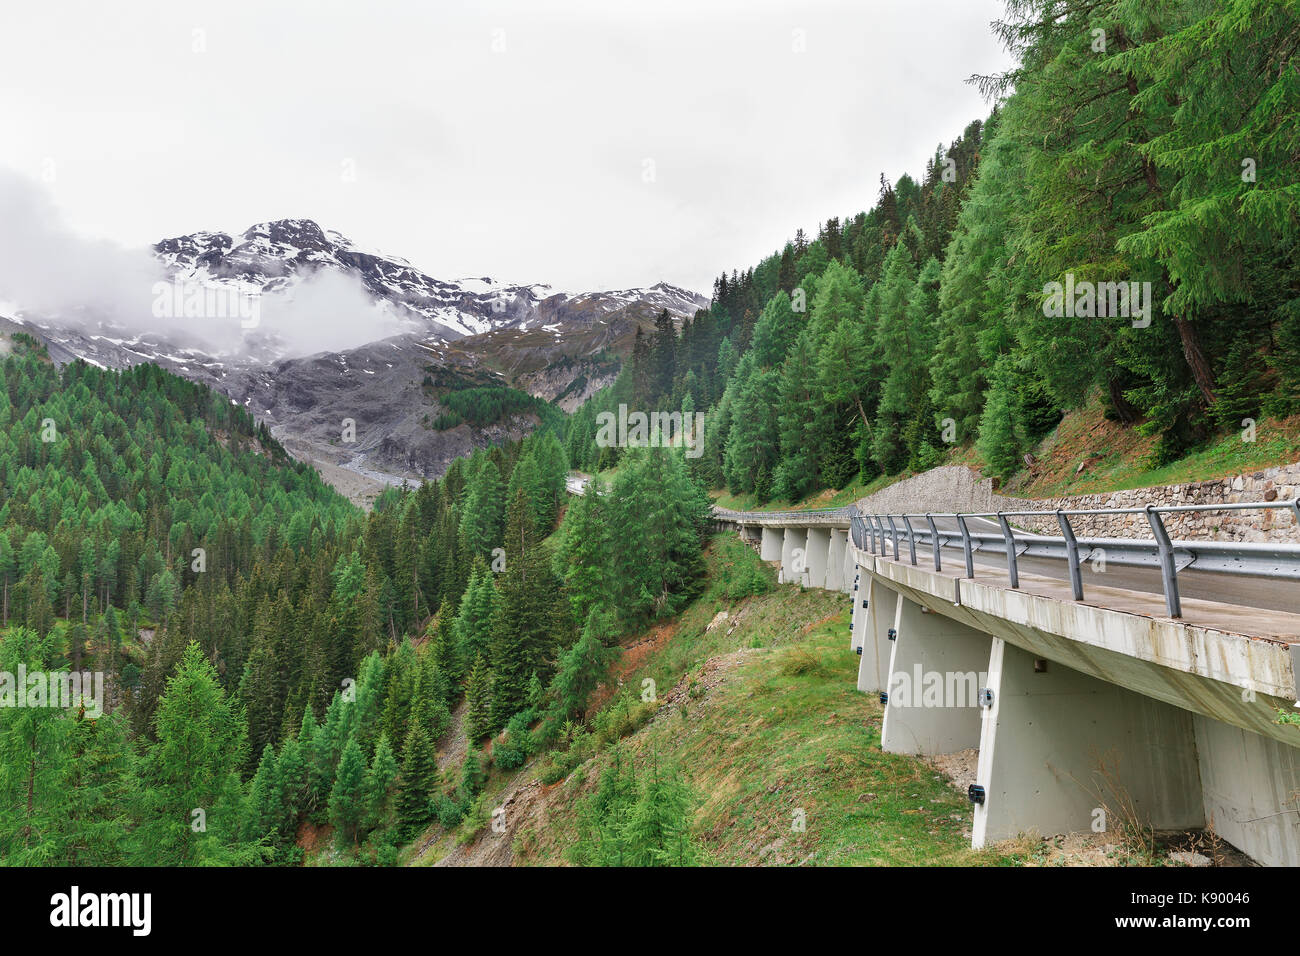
(957, 488)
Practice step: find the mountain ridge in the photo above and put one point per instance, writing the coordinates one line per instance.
(556, 346)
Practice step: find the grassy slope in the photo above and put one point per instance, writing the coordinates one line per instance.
(1116, 456)
(778, 729)
(761, 714)
(829, 498)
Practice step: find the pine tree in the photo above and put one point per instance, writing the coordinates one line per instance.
(474, 620)
(35, 755)
(380, 780)
(532, 617)
(97, 790)
(472, 775)
(584, 555)
(659, 515)
(480, 517)
(658, 827)
(419, 774)
(263, 807)
(584, 665)
(349, 798)
(188, 792)
(478, 697)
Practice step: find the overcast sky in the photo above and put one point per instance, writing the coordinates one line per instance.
(590, 145)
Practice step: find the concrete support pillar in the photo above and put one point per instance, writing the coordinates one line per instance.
(770, 545)
(860, 612)
(1060, 750)
(818, 550)
(857, 589)
(835, 561)
(936, 669)
(850, 564)
(871, 633)
(794, 557)
(1249, 784)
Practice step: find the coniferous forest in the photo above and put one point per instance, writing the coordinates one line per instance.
(274, 656)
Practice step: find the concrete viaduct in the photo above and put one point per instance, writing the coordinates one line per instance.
(1089, 713)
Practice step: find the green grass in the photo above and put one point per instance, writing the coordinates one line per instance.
(830, 498)
(1276, 443)
(767, 722)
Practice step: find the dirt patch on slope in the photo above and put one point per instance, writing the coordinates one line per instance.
(494, 845)
(630, 660)
(453, 745)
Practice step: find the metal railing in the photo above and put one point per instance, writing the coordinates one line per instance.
(846, 512)
(881, 533)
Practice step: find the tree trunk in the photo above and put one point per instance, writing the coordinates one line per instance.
(31, 797)
(1124, 409)
(1196, 359)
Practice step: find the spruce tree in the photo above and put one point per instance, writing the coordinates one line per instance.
(419, 774)
(188, 793)
(349, 798)
(380, 781)
(478, 699)
(531, 620)
(583, 666)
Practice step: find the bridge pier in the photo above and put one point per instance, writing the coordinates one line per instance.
(850, 563)
(770, 544)
(871, 633)
(817, 555)
(794, 568)
(936, 668)
(859, 594)
(1061, 751)
(836, 564)
(1249, 783)
(859, 591)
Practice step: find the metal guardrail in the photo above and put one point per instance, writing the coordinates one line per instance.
(726, 514)
(869, 533)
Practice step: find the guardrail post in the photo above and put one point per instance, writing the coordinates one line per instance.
(1013, 572)
(1167, 569)
(911, 539)
(965, 546)
(893, 530)
(1072, 554)
(934, 540)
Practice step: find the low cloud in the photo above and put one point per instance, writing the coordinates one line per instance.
(48, 270)
(328, 312)
(58, 278)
